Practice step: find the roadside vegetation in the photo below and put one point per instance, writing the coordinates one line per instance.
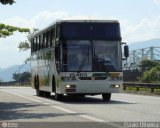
(151, 71)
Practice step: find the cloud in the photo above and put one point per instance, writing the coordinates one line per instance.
(157, 1)
(145, 29)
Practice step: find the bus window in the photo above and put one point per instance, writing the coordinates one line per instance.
(32, 46)
(47, 39)
(51, 37)
(44, 40)
(35, 44)
(38, 43)
(57, 57)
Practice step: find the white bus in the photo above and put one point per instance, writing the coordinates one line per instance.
(78, 57)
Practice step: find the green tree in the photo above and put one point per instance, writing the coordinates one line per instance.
(7, 30)
(7, 2)
(26, 45)
(147, 64)
(22, 77)
(152, 75)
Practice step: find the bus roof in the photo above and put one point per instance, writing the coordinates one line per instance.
(74, 21)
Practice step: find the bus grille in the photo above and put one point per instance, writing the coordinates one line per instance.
(92, 78)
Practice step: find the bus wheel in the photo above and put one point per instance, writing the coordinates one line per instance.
(106, 96)
(58, 96)
(47, 94)
(38, 92)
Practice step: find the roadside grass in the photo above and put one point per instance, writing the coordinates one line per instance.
(141, 90)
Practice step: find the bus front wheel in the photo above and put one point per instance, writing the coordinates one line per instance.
(106, 96)
(58, 96)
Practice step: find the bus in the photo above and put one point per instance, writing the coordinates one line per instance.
(78, 58)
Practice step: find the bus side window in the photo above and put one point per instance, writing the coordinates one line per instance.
(44, 40)
(57, 57)
(32, 45)
(37, 43)
(42, 43)
(51, 37)
(47, 39)
(57, 52)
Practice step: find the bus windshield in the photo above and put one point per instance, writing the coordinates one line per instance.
(106, 56)
(96, 56)
(77, 56)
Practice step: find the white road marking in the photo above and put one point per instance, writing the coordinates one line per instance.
(57, 107)
(73, 112)
(63, 109)
(21, 96)
(123, 101)
(92, 118)
(46, 103)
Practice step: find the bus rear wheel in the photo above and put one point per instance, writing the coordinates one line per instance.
(106, 96)
(39, 93)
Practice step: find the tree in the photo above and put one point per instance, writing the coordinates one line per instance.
(7, 30)
(26, 45)
(7, 2)
(152, 75)
(147, 64)
(22, 77)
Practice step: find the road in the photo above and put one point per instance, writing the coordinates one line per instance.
(20, 104)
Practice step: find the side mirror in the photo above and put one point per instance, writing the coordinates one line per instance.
(126, 51)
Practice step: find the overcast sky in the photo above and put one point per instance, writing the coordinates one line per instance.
(140, 20)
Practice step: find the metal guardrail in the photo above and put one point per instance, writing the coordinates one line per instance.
(13, 83)
(151, 86)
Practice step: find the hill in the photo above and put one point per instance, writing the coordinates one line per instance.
(7, 73)
(144, 44)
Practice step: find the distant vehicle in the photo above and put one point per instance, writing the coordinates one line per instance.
(78, 57)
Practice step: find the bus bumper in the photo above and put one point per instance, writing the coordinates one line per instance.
(95, 87)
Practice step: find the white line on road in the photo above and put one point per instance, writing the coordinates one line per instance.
(84, 116)
(124, 101)
(57, 107)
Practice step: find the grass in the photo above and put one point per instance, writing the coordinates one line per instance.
(144, 91)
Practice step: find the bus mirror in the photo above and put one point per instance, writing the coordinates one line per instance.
(126, 51)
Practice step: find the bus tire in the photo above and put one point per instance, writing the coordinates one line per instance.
(53, 84)
(47, 94)
(58, 97)
(38, 92)
(106, 96)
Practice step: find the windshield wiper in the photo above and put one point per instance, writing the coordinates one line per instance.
(82, 63)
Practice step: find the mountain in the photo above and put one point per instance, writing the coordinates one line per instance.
(7, 73)
(144, 44)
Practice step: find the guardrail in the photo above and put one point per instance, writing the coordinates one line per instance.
(151, 86)
(13, 83)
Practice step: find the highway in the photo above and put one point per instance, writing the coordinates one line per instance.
(20, 104)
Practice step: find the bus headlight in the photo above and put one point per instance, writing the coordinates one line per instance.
(70, 88)
(115, 86)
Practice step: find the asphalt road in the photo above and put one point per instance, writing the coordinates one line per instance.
(20, 104)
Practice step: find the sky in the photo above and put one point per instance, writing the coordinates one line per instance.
(139, 19)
